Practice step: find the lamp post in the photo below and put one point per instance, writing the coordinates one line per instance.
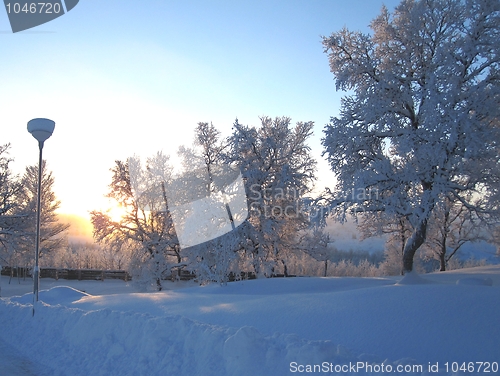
(41, 129)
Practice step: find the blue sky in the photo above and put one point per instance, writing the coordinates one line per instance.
(122, 77)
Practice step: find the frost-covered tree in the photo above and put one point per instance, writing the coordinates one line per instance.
(52, 231)
(18, 197)
(315, 244)
(207, 149)
(12, 222)
(9, 188)
(212, 260)
(397, 230)
(217, 259)
(419, 125)
(278, 170)
(146, 228)
(450, 227)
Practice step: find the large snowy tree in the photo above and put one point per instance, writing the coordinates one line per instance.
(146, 226)
(279, 170)
(215, 259)
(419, 123)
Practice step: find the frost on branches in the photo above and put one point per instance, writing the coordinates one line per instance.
(216, 258)
(422, 122)
(273, 171)
(146, 228)
(279, 171)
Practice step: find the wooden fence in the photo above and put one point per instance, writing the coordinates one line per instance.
(101, 275)
(76, 274)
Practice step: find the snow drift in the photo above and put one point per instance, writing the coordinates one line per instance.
(261, 327)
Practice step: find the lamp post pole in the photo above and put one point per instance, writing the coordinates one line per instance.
(36, 277)
(41, 129)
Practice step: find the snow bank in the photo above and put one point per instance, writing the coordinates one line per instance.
(261, 327)
(413, 278)
(476, 281)
(106, 342)
(56, 295)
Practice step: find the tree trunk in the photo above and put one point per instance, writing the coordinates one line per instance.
(442, 258)
(403, 244)
(414, 242)
(158, 274)
(326, 267)
(285, 268)
(442, 263)
(442, 254)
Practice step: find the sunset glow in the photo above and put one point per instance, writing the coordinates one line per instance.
(139, 81)
(116, 213)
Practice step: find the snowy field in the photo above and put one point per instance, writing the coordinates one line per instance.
(431, 324)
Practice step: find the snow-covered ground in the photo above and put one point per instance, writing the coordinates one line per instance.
(276, 326)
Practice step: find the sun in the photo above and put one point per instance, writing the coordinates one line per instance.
(116, 213)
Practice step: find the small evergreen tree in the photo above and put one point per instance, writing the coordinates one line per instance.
(52, 232)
